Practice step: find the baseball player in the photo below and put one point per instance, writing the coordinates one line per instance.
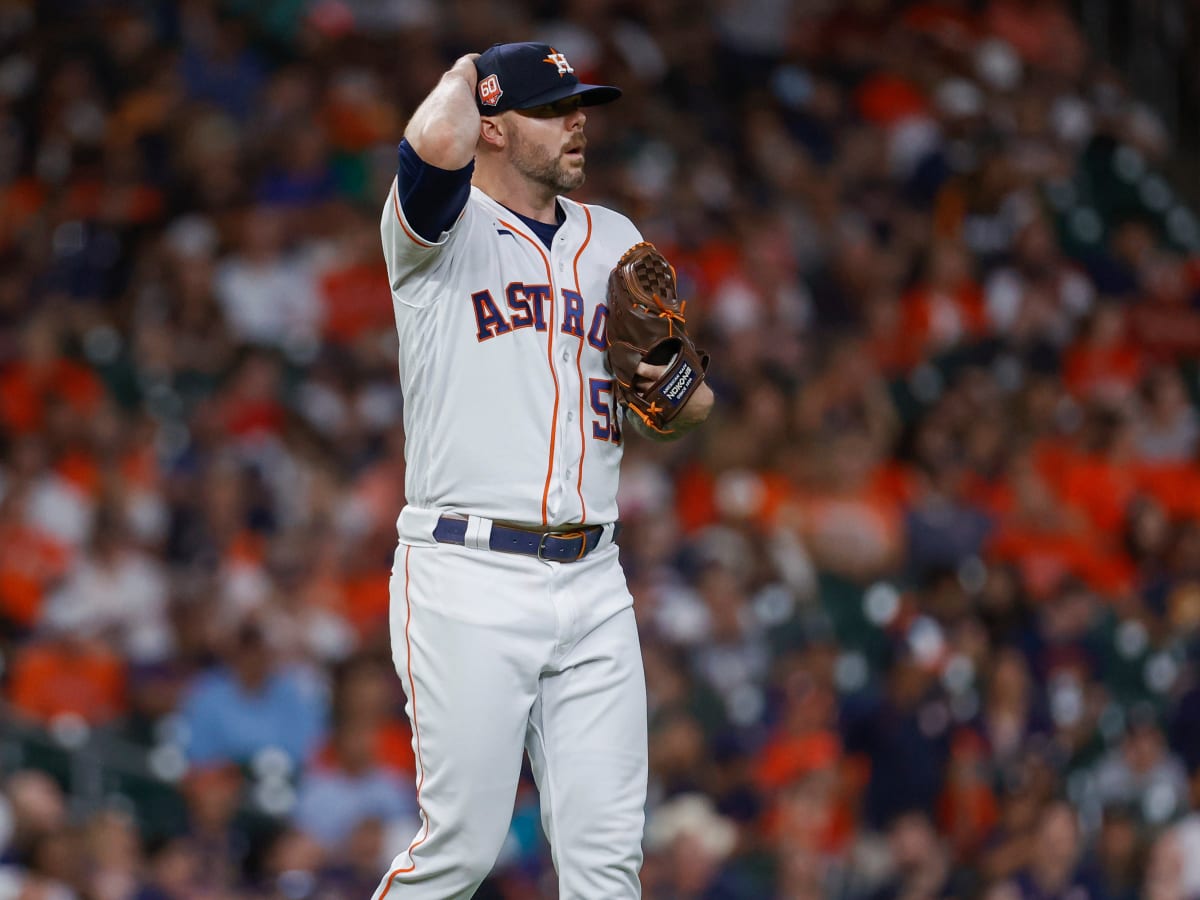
(512, 627)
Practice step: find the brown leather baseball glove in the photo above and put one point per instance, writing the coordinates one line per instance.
(646, 324)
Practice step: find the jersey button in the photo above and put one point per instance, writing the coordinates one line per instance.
(566, 356)
(570, 417)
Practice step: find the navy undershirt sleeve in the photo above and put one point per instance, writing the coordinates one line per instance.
(431, 198)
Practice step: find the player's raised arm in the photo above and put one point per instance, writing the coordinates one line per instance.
(433, 176)
(445, 128)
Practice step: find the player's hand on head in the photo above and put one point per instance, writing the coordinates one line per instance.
(465, 66)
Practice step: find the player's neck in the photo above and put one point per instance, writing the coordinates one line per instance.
(516, 192)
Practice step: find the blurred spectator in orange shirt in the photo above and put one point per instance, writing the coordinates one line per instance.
(68, 671)
(41, 373)
(805, 739)
(31, 562)
(355, 296)
(1048, 542)
(1104, 364)
(364, 691)
(252, 410)
(849, 520)
(945, 309)
(967, 809)
(1042, 31)
(1099, 479)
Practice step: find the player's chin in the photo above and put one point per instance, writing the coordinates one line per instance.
(571, 177)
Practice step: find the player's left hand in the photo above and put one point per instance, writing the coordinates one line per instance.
(646, 376)
(695, 411)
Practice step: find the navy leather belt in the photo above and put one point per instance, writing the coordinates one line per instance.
(557, 546)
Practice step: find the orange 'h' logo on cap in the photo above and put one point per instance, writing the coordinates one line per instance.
(557, 59)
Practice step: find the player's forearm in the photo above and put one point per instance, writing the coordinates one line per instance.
(694, 412)
(445, 128)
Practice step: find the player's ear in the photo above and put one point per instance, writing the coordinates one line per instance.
(492, 130)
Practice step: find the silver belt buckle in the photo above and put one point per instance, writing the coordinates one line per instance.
(580, 535)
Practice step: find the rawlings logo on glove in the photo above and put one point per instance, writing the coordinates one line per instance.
(646, 324)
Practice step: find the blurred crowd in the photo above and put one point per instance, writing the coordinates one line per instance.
(920, 606)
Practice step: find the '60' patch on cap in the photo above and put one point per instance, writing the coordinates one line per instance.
(489, 91)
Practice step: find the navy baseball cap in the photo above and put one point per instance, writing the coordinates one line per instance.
(525, 75)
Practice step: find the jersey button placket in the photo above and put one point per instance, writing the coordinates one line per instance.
(567, 380)
(568, 440)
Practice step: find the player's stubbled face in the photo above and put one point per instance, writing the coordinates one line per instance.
(546, 144)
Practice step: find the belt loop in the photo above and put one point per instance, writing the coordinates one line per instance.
(609, 535)
(479, 533)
